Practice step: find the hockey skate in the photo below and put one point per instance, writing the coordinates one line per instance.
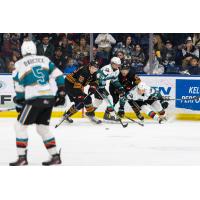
(67, 118)
(108, 117)
(140, 117)
(92, 118)
(22, 161)
(55, 160)
(121, 113)
(161, 120)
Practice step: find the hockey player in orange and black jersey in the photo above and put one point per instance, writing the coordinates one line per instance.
(74, 85)
(128, 79)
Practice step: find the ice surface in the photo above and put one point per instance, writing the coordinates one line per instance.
(83, 143)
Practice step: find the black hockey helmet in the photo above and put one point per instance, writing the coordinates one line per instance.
(94, 63)
(125, 65)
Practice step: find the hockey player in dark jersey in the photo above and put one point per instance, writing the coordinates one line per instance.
(74, 85)
(128, 79)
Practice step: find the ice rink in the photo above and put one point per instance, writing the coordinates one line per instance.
(83, 143)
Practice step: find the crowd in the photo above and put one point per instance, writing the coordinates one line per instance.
(171, 54)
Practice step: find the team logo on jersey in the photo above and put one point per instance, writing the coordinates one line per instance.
(81, 79)
(2, 85)
(107, 70)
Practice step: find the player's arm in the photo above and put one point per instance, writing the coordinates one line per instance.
(94, 84)
(57, 75)
(19, 99)
(119, 87)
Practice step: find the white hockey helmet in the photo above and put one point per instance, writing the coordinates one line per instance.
(116, 60)
(28, 47)
(142, 86)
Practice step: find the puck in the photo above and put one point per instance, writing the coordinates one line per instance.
(107, 128)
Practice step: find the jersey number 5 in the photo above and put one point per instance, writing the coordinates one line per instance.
(39, 74)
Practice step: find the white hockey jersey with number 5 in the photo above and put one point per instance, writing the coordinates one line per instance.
(31, 77)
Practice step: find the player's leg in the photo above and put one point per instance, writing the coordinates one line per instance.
(156, 105)
(97, 99)
(148, 110)
(136, 106)
(26, 117)
(42, 127)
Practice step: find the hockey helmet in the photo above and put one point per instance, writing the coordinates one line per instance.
(28, 47)
(116, 60)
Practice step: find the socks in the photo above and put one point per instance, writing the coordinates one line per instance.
(48, 138)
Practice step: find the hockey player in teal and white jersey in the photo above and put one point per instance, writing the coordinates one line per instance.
(35, 99)
(108, 73)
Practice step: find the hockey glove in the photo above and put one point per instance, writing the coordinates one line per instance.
(19, 104)
(92, 89)
(60, 97)
(165, 104)
(121, 92)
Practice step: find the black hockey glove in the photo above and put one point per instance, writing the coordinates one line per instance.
(19, 104)
(165, 104)
(153, 98)
(92, 89)
(121, 91)
(60, 97)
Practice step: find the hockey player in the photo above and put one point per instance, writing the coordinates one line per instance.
(35, 100)
(128, 79)
(108, 72)
(74, 85)
(142, 95)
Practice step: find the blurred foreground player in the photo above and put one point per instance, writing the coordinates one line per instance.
(142, 96)
(128, 79)
(74, 85)
(35, 100)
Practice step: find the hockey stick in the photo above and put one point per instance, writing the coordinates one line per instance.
(173, 99)
(8, 109)
(134, 121)
(124, 125)
(66, 116)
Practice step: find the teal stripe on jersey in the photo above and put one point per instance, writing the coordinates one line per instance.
(20, 95)
(51, 67)
(16, 78)
(60, 80)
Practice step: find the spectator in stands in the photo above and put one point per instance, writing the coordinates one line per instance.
(120, 54)
(193, 68)
(6, 46)
(168, 58)
(10, 61)
(71, 66)
(138, 59)
(105, 42)
(158, 45)
(3, 68)
(45, 47)
(96, 57)
(188, 52)
(67, 46)
(59, 60)
(155, 67)
(10, 66)
(81, 52)
(125, 46)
